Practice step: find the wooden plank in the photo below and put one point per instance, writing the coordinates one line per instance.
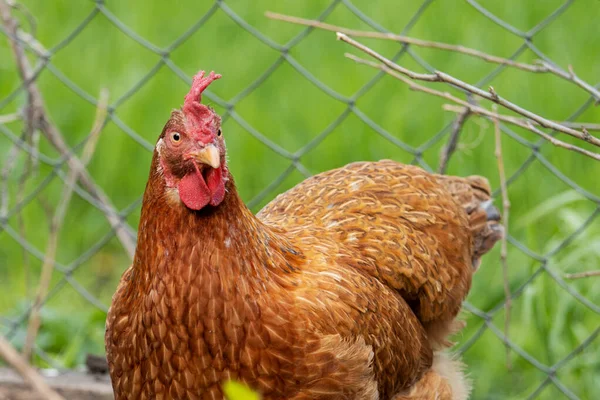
(70, 384)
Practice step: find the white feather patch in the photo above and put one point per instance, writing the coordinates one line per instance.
(172, 195)
(159, 146)
(452, 369)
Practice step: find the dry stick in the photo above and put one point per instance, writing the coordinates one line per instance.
(31, 137)
(526, 124)
(56, 224)
(543, 67)
(522, 121)
(505, 215)
(29, 166)
(407, 40)
(7, 118)
(453, 140)
(570, 76)
(30, 375)
(581, 125)
(476, 109)
(55, 137)
(579, 275)
(491, 95)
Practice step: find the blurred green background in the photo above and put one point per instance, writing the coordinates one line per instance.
(291, 107)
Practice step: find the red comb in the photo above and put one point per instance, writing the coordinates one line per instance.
(201, 120)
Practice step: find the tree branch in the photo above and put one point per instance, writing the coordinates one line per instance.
(505, 216)
(475, 109)
(579, 275)
(30, 375)
(526, 124)
(541, 67)
(522, 121)
(54, 136)
(7, 118)
(491, 95)
(450, 147)
(56, 224)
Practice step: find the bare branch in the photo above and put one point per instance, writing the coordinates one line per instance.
(7, 118)
(505, 216)
(407, 40)
(475, 109)
(541, 67)
(522, 121)
(56, 224)
(450, 147)
(572, 77)
(579, 275)
(31, 135)
(54, 136)
(491, 95)
(30, 375)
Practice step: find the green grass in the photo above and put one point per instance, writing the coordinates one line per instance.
(546, 321)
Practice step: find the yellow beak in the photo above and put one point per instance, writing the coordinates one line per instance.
(209, 155)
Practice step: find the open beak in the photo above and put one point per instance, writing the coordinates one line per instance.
(208, 155)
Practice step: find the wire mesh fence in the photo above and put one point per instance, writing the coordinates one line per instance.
(41, 158)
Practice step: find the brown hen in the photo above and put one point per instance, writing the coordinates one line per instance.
(344, 287)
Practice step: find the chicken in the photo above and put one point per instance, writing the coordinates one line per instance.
(344, 287)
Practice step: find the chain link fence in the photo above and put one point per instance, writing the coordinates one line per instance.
(34, 146)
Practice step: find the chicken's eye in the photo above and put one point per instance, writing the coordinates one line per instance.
(219, 132)
(176, 137)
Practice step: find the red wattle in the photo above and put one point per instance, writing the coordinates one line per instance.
(216, 186)
(193, 191)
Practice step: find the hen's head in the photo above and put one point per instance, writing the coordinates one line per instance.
(191, 150)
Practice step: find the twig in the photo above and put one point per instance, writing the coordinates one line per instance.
(7, 118)
(407, 40)
(505, 216)
(491, 95)
(54, 136)
(475, 109)
(541, 67)
(30, 375)
(522, 121)
(21, 223)
(56, 224)
(449, 149)
(31, 136)
(572, 77)
(579, 275)
(581, 125)
(25, 11)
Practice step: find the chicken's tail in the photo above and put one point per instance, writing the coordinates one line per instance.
(473, 193)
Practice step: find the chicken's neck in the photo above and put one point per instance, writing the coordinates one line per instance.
(227, 238)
